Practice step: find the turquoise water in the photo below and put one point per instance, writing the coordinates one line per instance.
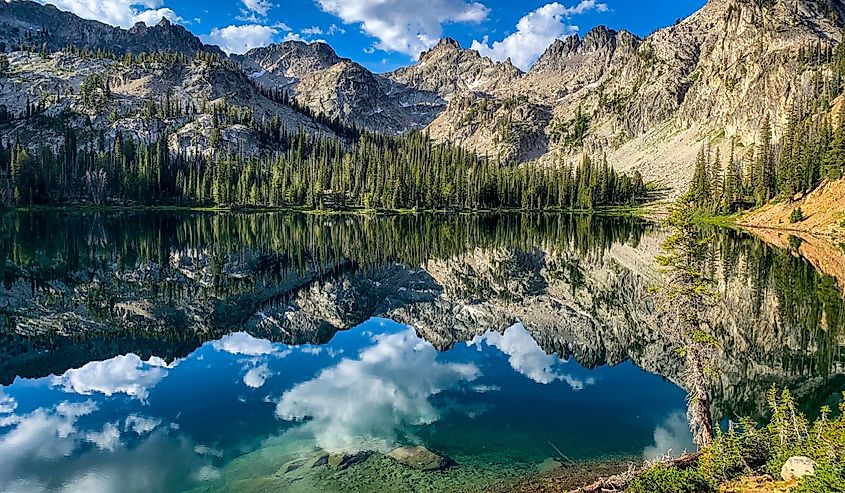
(127, 424)
(168, 352)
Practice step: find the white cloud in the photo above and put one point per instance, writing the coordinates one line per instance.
(535, 32)
(43, 434)
(241, 343)
(405, 26)
(368, 402)
(312, 31)
(140, 424)
(7, 403)
(672, 437)
(123, 13)
(527, 357)
(153, 17)
(260, 7)
(240, 39)
(281, 26)
(107, 439)
(256, 377)
(120, 375)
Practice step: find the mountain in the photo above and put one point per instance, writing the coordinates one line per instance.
(646, 104)
(34, 24)
(650, 103)
(447, 69)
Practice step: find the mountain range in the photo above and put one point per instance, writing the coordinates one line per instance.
(647, 104)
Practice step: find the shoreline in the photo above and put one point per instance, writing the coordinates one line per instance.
(640, 212)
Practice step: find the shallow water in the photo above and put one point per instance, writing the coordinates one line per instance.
(174, 352)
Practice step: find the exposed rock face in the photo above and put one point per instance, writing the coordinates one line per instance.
(447, 70)
(27, 22)
(329, 85)
(58, 78)
(649, 103)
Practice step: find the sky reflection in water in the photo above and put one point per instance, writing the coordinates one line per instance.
(127, 424)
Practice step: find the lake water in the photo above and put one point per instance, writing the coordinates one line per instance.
(170, 352)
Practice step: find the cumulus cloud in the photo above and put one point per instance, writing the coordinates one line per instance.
(368, 402)
(243, 344)
(240, 39)
(106, 439)
(256, 377)
(45, 434)
(527, 357)
(535, 32)
(126, 374)
(405, 26)
(123, 13)
(7, 403)
(140, 424)
(672, 437)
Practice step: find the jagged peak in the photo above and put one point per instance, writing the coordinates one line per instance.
(597, 38)
(445, 45)
(448, 42)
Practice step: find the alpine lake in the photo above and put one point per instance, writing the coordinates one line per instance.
(255, 352)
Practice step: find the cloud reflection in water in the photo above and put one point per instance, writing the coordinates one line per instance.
(376, 397)
(528, 358)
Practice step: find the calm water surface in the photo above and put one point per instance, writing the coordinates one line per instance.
(173, 352)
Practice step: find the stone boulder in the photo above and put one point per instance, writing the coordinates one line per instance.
(798, 467)
(421, 459)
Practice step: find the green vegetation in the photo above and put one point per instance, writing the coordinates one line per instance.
(748, 449)
(688, 297)
(812, 147)
(4, 65)
(661, 479)
(796, 216)
(374, 171)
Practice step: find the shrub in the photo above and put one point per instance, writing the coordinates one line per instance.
(827, 479)
(660, 479)
(797, 216)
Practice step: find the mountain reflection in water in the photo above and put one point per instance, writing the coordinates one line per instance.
(169, 351)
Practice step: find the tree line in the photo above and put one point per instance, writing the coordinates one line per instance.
(303, 169)
(810, 150)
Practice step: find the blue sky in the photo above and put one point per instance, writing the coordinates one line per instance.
(386, 34)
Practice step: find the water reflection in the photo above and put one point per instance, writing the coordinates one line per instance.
(372, 401)
(527, 357)
(235, 342)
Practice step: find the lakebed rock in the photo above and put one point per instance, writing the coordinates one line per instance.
(798, 467)
(421, 458)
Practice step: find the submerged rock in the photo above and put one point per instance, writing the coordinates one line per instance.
(798, 467)
(549, 465)
(344, 461)
(421, 458)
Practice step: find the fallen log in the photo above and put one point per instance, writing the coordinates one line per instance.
(619, 482)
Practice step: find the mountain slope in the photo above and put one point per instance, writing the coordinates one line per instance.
(647, 104)
(23, 22)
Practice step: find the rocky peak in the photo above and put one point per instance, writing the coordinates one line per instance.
(139, 28)
(293, 59)
(598, 38)
(59, 29)
(445, 47)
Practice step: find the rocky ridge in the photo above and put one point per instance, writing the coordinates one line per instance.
(648, 104)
